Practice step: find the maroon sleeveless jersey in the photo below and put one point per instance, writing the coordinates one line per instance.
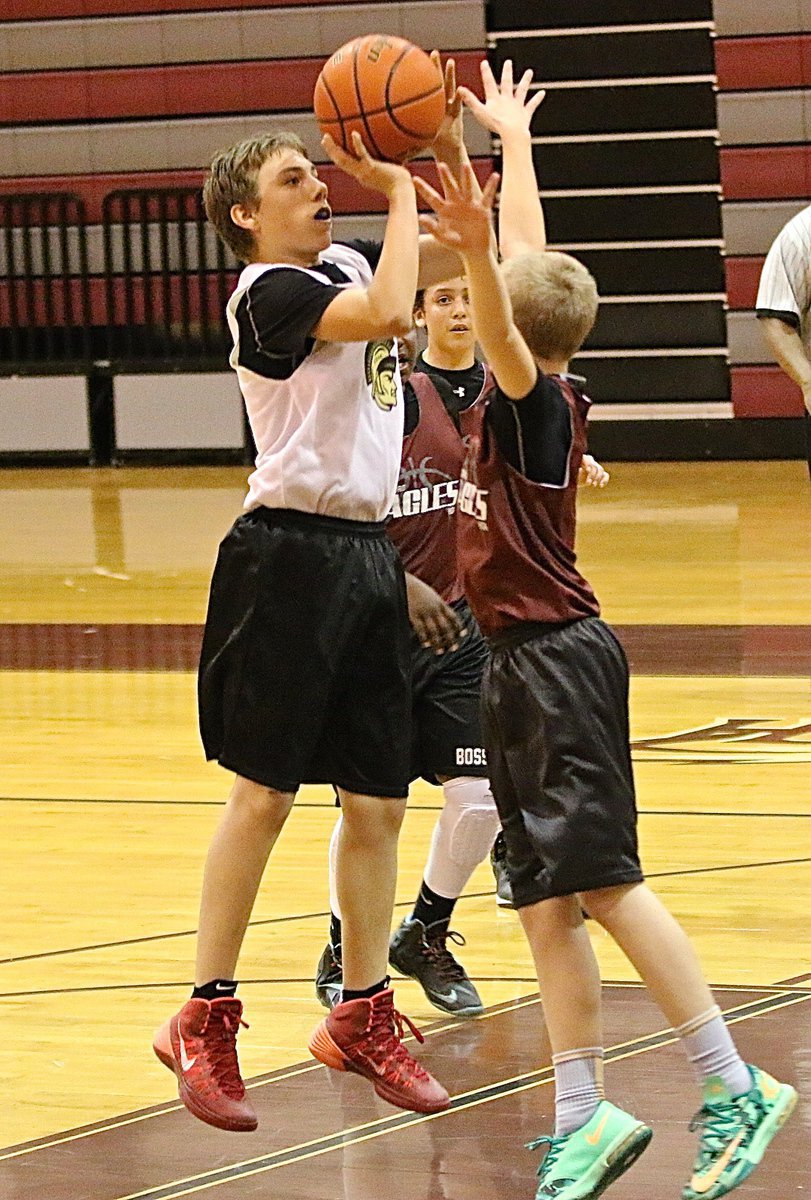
(516, 537)
(421, 521)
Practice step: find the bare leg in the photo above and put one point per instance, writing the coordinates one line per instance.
(244, 838)
(656, 945)
(334, 905)
(366, 877)
(568, 975)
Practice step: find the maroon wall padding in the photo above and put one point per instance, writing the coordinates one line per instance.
(749, 64)
(127, 93)
(346, 196)
(766, 173)
(31, 306)
(765, 392)
(33, 313)
(93, 188)
(35, 10)
(743, 277)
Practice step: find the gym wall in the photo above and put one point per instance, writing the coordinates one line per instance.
(118, 104)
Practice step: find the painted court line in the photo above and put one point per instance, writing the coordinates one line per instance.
(439, 1026)
(377, 1128)
(681, 872)
(479, 1096)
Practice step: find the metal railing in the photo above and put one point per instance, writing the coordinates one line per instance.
(45, 316)
(167, 279)
(145, 290)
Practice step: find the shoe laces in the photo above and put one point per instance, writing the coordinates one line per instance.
(554, 1146)
(382, 1043)
(722, 1121)
(220, 1033)
(435, 948)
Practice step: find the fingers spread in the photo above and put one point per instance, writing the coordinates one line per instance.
(536, 100)
(447, 237)
(488, 79)
(449, 184)
(472, 101)
(426, 192)
(442, 630)
(523, 85)
(489, 190)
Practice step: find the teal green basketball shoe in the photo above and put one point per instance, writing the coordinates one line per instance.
(582, 1164)
(735, 1132)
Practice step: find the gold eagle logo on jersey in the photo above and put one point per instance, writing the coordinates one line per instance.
(381, 364)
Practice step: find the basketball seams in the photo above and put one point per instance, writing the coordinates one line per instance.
(336, 109)
(390, 79)
(379, 112)
(398, 95)
(391, 109)
(362, 116)
(392, 112)
(392, 72)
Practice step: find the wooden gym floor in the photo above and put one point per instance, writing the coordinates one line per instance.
(107, 809)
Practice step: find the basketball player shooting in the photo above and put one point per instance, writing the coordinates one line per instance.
(304, 670)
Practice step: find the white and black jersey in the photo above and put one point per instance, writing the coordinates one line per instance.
(327, 417)
(785, 283)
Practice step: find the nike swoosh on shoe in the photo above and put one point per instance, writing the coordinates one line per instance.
(186, 1063)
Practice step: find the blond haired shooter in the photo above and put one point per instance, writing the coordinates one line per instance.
(304, 671)
(555, 714)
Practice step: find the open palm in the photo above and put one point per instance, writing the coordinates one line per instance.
(506, 107)
(462, 216)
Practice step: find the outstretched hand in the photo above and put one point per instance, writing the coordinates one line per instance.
(506, 108)
(451, 132)
(369, 172)
(463, 215)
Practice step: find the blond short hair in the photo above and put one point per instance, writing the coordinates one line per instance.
(554, 300)
(231, 180)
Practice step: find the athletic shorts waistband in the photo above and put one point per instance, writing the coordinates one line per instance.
(293, 518)
(525, 631)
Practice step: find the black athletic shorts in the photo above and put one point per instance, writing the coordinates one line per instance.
(555, 716)
(305, 665)
(446, 701)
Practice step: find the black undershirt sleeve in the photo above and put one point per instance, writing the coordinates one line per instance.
(412, 409)
(534, 434)
(276, 318)
(370, 250)
(788, 318)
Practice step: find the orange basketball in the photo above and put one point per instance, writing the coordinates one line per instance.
(387, 89)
